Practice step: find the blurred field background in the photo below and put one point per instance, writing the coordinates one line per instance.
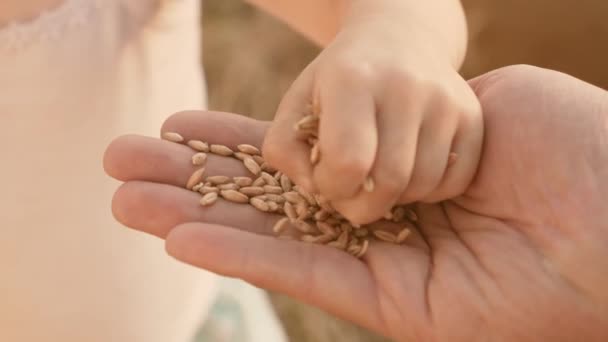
(250, 59)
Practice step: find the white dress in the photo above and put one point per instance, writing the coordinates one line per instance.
(71, 80)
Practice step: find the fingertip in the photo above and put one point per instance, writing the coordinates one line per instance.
(180, 240)
(115, 155)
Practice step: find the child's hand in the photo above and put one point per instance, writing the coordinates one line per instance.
(390, 109)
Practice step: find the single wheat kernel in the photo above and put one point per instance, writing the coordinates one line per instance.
(241, 156)
(259, 204)
(242, 181)
(262, 197)
(207, 189)
(402, 236)
(173, 137)
(252, 190)
(270, 189)
(217, 180)
(275, 198)
(290, 211)
(195, 178)
(197, 187)
(285, 183)
(277, 175)
(369, 184)
(198, 145)
(293, 197)
(326, 228)
(280, 225)
(315, 154)
(269, 179)
(249, 149)
(388, 216)
(353, 249)
(302, 210)
(221, 150)
(307, 196)
(343, 240)
(364, 248)
(228, 186)
(234, 196)
(303, 227)
(199, 158)
(274, 206)
(336, 244)
(258, 159)
(252, 166)
(208, 199)
(385, 236)
(324, 238)
(259, 182)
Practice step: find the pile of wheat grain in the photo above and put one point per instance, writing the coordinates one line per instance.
(307, 217)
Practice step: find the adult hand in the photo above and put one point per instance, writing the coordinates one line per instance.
(521, 256)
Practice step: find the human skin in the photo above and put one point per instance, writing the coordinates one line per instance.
(387, 85)
(522, 255)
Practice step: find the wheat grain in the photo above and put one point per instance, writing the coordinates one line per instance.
(195, 178)
(197, 187)
(242, 181)
(228, 186)
(259, 204)
(198, 145)
(249, 149)
(275, 198)
(326, 228)
(258, 159)
(269, 179)
(270, 189)
(290, 211)
(274, 206)
(402, 236)
(385, 236)
(286, 184)
(273, 192)
(217, 180)
(221, 150)
(207, 189)
(234, 196)
(208, 199)
(280, 225)
(173, 137)
(199, 158)
(252, 190)
(252, 166)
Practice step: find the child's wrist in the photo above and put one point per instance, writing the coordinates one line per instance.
(392, 23)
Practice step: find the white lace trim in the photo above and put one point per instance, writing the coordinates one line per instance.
(50, 25)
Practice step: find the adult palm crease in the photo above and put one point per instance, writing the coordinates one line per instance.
(521, 253)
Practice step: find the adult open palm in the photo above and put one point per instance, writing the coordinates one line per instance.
(521, 256)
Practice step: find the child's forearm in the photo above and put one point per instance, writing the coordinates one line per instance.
(438, 23)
